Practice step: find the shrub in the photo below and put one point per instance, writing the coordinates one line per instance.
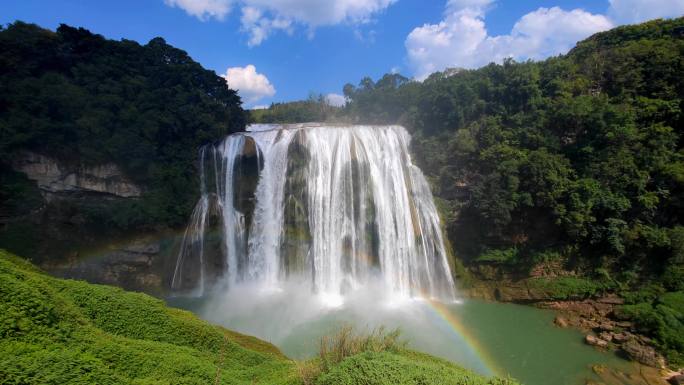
(563, 288)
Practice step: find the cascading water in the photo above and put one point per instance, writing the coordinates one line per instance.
(339, 207)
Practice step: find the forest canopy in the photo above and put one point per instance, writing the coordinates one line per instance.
(80, 98)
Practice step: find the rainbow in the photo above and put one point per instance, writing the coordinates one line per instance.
(454, 323)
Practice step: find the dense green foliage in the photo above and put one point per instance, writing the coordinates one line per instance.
(83, 99)
(314, 109)
(577, 157)
(55, 331)
(660, 315)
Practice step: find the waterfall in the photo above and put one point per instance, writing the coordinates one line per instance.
(336, 206)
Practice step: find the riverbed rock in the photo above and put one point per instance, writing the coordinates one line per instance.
(677, 379)
(606, 336)
(621, 337)
(643, 353)
(595, 341)
(560, 322)
(606, 326)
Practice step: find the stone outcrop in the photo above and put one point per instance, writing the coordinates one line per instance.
(643, 353)
(54, 177)
(595, 341)
(137, 265)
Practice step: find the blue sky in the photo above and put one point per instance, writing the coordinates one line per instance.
(281, 50)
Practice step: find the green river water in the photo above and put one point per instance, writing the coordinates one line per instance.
(490, 338)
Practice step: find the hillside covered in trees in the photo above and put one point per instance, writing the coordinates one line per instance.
(84, 100)
(577, 156)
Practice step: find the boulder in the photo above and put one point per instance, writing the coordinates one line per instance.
(595, 341)
(560, 322)
(621, 337)
(643, 354)
(606, 326)
(606, 336)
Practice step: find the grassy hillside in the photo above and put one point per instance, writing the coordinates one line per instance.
(55, 331)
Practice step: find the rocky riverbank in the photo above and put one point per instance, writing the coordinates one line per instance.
(597, 318)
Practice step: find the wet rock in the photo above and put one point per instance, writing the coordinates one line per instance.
(643, 354)
(595, 341)
(606, 326)
(606, 336)
(588, 324)
(621, 337)
(560, 322)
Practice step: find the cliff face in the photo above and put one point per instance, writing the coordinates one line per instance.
(66, 232)
(54, 177)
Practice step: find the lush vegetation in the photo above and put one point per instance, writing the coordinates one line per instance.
(381, 358)
(78, 97)
(315, 109)
(661, 315)
(55, 331)
(578, 157)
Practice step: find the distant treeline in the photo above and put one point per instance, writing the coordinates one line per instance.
(315, 109)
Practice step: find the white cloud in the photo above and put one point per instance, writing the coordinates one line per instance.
(260, 27)
(636, 11)
(251, 85)
(336, 100)
(259, 107)
(203, 9)
(461, 39)
(261, 18)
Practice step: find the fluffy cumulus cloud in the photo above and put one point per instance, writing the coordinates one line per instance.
(336, 100)
(461, 39)
(635, 11)
(203, 9)
(251, 85)
(261, 18)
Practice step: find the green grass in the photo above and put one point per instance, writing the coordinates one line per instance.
(55, 331)
(569, 288)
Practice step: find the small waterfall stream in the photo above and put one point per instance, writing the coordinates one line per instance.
(338, 207)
